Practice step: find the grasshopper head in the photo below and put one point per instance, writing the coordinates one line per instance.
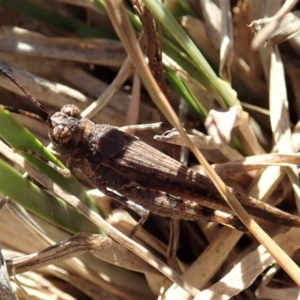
(67, 129)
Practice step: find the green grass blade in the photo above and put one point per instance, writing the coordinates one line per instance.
(173, 27)
(40, 203)
(186, 94)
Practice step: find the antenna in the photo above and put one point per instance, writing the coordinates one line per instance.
(31, 98)
(24, 113)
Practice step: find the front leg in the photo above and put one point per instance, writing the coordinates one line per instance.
(64, 172)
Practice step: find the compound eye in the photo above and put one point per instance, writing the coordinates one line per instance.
(71, 111)
(62, 134)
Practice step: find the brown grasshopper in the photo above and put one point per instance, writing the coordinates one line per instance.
(141, 177)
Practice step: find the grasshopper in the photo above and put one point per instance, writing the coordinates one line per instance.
(130, 171)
